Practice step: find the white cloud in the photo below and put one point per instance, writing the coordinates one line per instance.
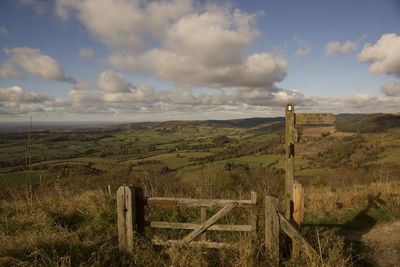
(15, 94)
(256, 70)
(82, 85)
(304, 48)
(333, 48)
(7, 69)
(124, 61)
(14, 100)
(86, 53)
(113, 82)
(3, 31)
(303, 51)
(139, 94)
(147, 103)
(34, 62)
(208, 49)
(85, 99)
(121, 23)
(189, 44)
(384, 56)
(360, 100)
(284, 97)
(203, 45)
(391, 89)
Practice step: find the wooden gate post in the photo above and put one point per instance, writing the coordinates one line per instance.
(253, 211)
(203, 218)
(290, 136)
(298, 203)
(272, 228)
(126, 217)
(130, 207)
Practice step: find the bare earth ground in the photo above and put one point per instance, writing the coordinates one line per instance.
(383, 243)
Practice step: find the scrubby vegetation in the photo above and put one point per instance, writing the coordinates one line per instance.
(64, 215)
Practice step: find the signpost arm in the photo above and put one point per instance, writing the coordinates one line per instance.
(289, 160)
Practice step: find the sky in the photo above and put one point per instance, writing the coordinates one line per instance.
(138, 60)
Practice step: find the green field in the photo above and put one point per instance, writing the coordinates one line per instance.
(181, 148)
(69, 209)
(23, 177)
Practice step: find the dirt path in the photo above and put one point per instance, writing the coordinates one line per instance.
(383, 242)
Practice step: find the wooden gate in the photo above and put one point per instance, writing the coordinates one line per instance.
(131, 203)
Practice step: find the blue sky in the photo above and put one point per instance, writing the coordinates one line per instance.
(129, 60)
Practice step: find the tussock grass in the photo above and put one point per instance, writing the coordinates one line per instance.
(72, 222)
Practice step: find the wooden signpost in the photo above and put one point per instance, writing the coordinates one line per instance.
(314, 118)
(291, 137)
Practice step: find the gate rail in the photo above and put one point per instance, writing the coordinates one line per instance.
(131, 203)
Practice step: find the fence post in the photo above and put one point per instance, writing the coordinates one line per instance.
(298, 203)
(254, 213)
(203, 218)
(290, 138)
(139, 211)
(298, 212)
(272, 228)
(130, 207)
(126, 217)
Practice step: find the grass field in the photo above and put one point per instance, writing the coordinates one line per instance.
(69, 216)
(23, 177)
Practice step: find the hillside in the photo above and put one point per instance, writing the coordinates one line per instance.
(70, 171)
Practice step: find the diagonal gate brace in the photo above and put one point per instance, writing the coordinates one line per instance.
(207, 224)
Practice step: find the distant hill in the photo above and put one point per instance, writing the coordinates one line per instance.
(246, 123)
(242, 123)
(367, 123)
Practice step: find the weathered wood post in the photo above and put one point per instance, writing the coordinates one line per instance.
(126, 217)
(272, 228)
(290, 137)
(139, 211)
(298, 203)
(203, 218)
(130, 207)
(253, 212)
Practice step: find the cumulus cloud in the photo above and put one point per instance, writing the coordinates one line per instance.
(207, 49)
(333, 48)
(190, 45)
(81, 98)
(7, 69)
(256, 70)
(86, 53)
(304, 48)
(142, 100)
(139, 94)
(14, 100)
(363, 103)
(15, 94)
(112, 82)
(360, 100)
(384, 56)
(82, 85)
(3, 31)
(124, 61)
(391, 89)
(120, 23)
(32, 61)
